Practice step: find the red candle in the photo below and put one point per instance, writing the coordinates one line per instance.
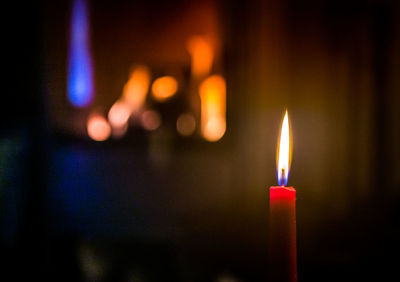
(282, 247)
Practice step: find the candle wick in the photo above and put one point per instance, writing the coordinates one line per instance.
(283, 177)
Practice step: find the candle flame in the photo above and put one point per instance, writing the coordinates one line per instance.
(284, 152)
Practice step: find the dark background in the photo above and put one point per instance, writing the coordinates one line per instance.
(145, 210)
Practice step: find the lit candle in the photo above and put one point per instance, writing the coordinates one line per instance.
(283, 261)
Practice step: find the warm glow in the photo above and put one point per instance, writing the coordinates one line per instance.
(98, 128)
(284, 151)
(202, 55)
(135, 90)
(164, 88)
(214, 129)
(186, 124)
(213, 108)
(151, 120)
(119, 114)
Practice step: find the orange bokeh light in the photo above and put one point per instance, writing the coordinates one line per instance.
(164, 88)
(98, 128)
(213, 108)
(135, 90)
(202, 55)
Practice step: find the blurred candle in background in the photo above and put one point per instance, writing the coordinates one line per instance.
(135, 90)
(283, 253)
(202, 56)
(213, 108)
(80, 66)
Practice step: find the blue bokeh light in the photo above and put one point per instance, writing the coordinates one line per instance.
(80, 66)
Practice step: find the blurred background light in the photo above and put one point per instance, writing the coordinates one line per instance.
(213, 108)
(135, 90)
(119, 132)
(80, 67)
(214, 129)
(93, 266)
(151, 120)
(98, 128)
(186, 124)
(164, 87)
(201, 54)
(226, 278)
(119, 114)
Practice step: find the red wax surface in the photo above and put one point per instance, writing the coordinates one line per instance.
(282, 234)
(282, 193)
